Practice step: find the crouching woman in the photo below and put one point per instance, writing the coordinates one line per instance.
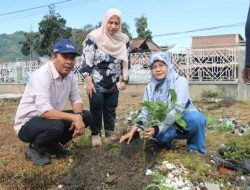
(164, 78)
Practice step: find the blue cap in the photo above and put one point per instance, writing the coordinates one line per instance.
(64, 46)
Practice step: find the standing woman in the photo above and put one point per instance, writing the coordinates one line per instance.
(105, 70)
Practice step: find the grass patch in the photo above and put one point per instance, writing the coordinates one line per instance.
(238, 148)
(83, 140)
(209, 94)
(26, 179)
(214, 123)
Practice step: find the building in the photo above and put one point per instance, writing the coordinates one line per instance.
(217, 41)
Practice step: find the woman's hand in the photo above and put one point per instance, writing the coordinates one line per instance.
(90, 87)
(121, 85)
(149, 132)
(128, 136)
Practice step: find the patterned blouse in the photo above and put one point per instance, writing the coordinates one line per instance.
(104, 69)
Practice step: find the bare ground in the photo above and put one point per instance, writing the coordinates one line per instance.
(112, 166)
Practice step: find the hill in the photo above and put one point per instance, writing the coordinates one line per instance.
(10, 50)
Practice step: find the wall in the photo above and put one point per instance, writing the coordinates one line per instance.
(237, 90)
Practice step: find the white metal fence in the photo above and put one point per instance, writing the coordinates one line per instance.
(196, 65)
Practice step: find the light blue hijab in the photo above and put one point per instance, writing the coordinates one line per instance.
(158, 89)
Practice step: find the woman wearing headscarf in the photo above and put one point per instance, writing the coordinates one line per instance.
(164, 78)
(105, 70)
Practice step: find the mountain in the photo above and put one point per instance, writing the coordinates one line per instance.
(10, 50)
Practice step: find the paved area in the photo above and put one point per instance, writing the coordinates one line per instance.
(10, 95)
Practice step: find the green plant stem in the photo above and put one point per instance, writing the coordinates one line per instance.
(144, 152)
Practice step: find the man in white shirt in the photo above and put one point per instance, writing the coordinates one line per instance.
(39, 119)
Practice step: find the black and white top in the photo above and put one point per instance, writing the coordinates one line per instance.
(104, 69)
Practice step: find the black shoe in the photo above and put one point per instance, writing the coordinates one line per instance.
(57, 150)
(36, 157)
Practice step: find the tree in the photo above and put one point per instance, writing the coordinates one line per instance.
(51, 28)
(141, 25)
(125, 29)
(79, 35)
(29, 44)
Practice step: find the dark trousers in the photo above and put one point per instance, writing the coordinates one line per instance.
(41, 132)
(103, 104)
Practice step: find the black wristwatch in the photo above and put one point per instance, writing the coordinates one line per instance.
(80, 113)
(123, 80)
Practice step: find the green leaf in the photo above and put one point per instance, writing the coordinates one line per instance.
(181, 122)
(173, 95)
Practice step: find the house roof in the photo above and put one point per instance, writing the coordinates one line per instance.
(135, 44)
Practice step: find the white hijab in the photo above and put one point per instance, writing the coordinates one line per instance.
(114, 45)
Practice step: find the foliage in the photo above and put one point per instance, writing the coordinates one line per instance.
(125, 29)
(83, 140)
(193, 162)
(79, 35)
(51, 28)
(209, 94)
(29, 43)
(141, 25)
(213, 123)
(238, 149)
(157, 111)
(157, 182)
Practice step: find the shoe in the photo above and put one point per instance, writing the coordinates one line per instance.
(57, 150)
(37, 158)
(96, 140)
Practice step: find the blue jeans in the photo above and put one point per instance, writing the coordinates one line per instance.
(195, 130)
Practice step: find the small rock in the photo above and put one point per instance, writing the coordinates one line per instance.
(110, 179)
(212, 186)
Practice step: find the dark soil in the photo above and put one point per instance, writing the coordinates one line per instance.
(112, 166)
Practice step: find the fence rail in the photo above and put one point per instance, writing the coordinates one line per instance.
(195, 65)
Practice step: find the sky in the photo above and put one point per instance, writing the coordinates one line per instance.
(164, 17)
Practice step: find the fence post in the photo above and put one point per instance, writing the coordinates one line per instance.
(19, 72)
(242, 87)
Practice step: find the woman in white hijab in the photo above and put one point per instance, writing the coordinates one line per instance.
(105, 70)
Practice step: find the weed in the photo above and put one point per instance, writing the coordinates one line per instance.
(84, 139)
(214, 124)
(157, 182)
(115, 149)
(193, 162)
(208, 94)
(238, 149)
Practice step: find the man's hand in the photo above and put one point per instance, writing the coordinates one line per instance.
(78, 126)
(246, 75)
